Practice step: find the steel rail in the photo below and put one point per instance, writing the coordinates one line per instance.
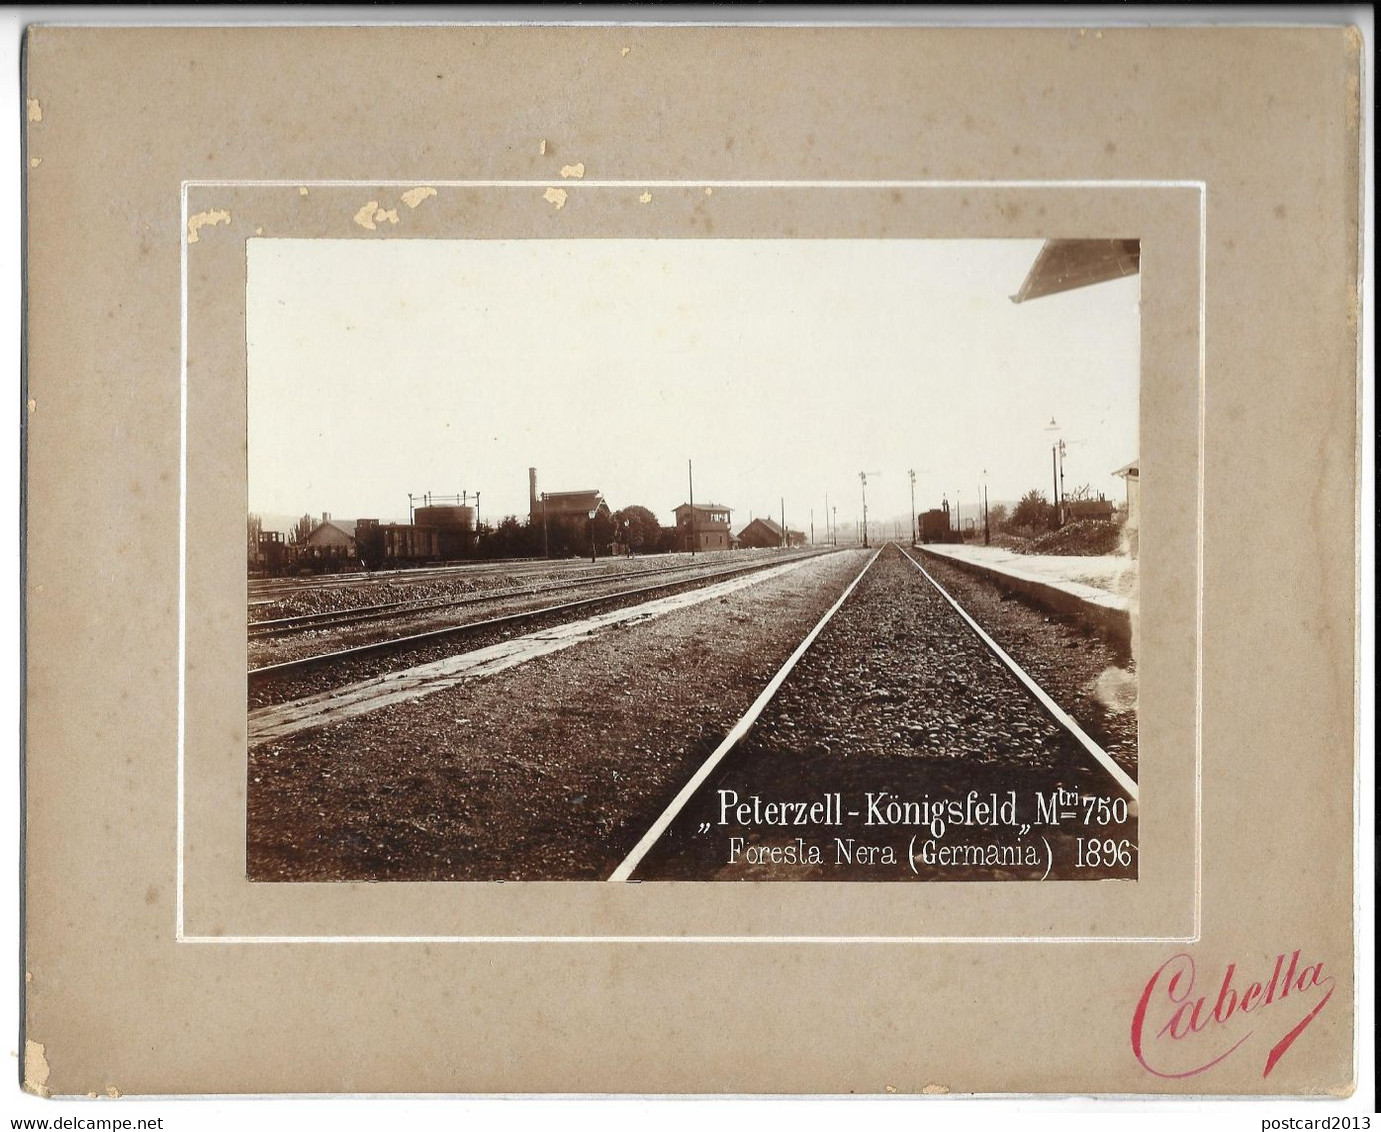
(635, 856)
(1062, 717)
(261, 587)
(272, 672)
(300, 623)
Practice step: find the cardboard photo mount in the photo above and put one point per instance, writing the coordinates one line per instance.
(152, 157)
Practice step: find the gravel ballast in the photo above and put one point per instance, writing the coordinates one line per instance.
(898, 701)
(556, 768)
(268, 688)
(548, 771)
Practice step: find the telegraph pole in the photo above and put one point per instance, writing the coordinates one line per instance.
(1055, 488)
(987, 537)
(863, 479)
(912, 474)
(690, 479)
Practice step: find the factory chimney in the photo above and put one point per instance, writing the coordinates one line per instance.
(532, 490)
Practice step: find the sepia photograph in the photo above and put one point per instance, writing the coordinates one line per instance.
(692, 559)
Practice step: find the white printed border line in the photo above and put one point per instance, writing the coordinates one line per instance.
(1120, 776)
(737, 732)
(1201, 187)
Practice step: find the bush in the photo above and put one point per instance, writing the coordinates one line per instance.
(1033, 513)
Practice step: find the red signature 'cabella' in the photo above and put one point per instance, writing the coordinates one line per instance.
(1183, 1027)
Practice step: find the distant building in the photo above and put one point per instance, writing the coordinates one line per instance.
(703, 527)
(331, 540)
(332, 533)
(760, 533)
(560, 506)
(764, 532)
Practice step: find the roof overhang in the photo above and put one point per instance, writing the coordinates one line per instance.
(1064, 265)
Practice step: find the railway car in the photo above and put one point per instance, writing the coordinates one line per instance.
(1099, 509)
(934, 525)
(271, 555)
(439, 534)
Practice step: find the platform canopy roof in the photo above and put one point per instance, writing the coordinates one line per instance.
(1064, 265)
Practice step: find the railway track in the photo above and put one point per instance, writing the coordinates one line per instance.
(286, 670)
(286, 626)
(609, 760)
(265, 590)
(761, 756)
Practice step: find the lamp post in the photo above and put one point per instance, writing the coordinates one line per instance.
(592, 535)
(546, 547)
(1056, 450)
(863, 479)
(834, 516)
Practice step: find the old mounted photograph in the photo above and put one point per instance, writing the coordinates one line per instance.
(622, 562)
(692, 559)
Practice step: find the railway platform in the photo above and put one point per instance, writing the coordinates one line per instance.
(1097, 589)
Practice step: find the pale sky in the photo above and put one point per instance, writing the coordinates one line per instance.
(782, 368)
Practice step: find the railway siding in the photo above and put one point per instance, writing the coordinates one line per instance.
(549, 770)
(325, 660)
(341, 703)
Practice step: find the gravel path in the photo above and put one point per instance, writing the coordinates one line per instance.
(899, 701)
(548, 771)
